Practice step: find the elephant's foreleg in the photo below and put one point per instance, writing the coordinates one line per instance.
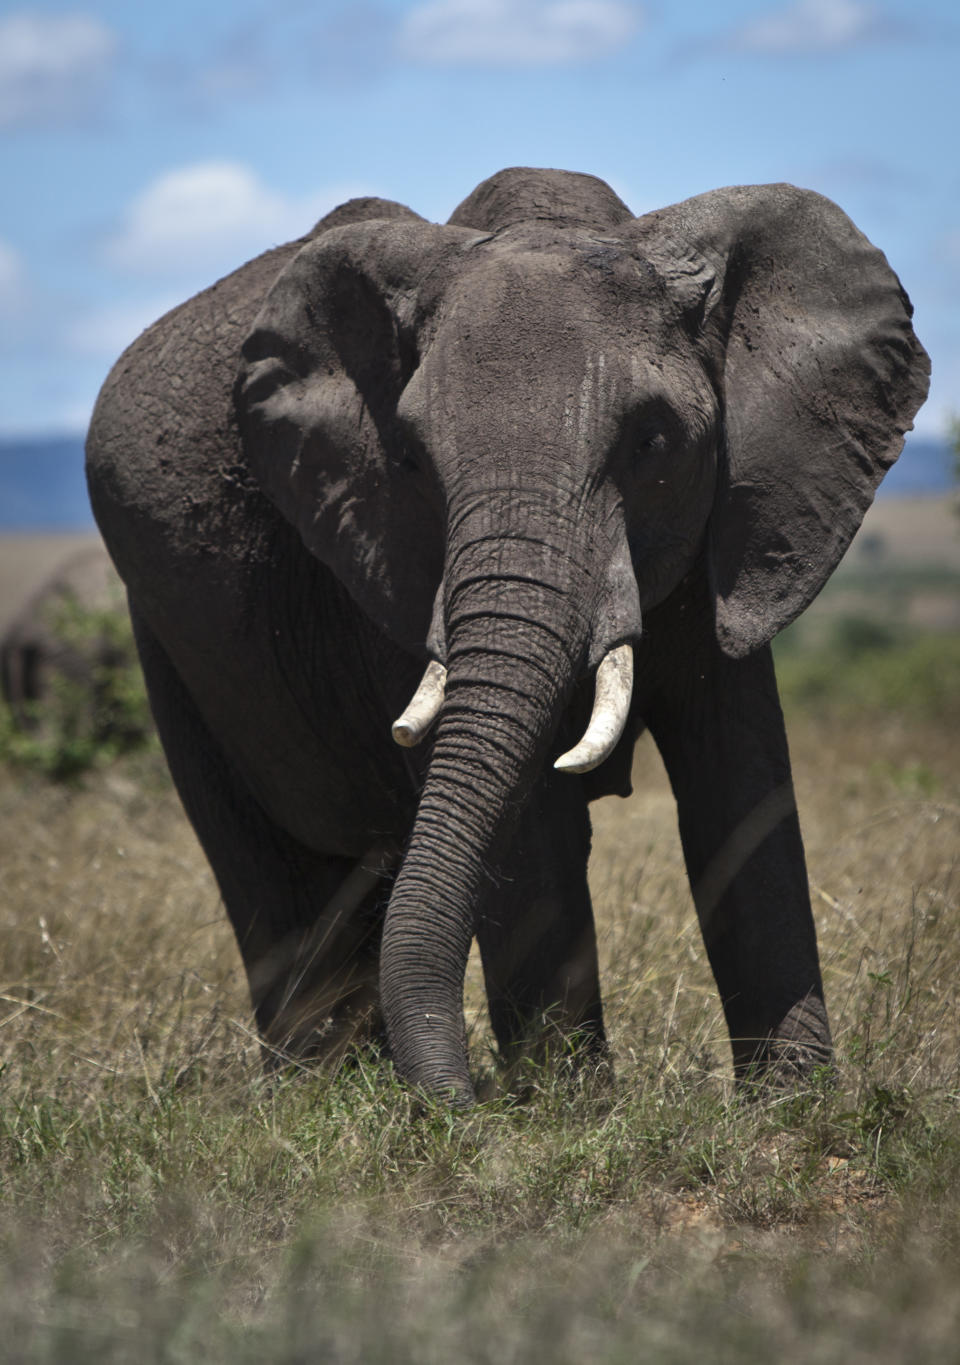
(536, 931)
(718, 724)
(308, 926)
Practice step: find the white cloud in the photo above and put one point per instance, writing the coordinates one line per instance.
(212, 215)
(18, 303)
(812, 26)
(12, 282)
(516, 32)
(51, 65)
(949, 249)
(108, 331)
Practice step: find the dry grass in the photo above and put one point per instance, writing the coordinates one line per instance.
(162, 1202)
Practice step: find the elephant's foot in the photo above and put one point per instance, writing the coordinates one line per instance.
(787, 1057)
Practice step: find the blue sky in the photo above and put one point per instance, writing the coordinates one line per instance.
(147, 148)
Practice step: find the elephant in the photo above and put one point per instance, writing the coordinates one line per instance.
(517, 487)
(65, 645)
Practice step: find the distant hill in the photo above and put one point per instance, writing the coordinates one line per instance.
(924, 467)
(42, 486)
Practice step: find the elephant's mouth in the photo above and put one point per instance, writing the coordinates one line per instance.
(613, 689)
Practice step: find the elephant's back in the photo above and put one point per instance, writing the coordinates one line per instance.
(163, 450)
(164, 462)
(248, 618)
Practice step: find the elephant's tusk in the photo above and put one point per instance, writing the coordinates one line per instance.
(611, 706)
(423, 710)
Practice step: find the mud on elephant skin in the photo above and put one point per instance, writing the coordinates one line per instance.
(544, 443)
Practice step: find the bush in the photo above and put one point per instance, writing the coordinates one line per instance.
(92, 711)
(868, 666)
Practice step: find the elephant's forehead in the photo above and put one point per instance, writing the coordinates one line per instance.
(558, 282)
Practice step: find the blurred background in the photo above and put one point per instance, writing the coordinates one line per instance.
(159, 1200)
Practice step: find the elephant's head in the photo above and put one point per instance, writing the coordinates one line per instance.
(512, 435)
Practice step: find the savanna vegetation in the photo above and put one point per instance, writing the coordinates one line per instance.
(163, 1202)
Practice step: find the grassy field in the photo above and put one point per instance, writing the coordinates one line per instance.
(162, 1202)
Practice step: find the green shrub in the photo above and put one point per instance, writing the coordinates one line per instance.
(92, 711)
(867, 666)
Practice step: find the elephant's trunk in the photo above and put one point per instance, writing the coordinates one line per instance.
(518, 620)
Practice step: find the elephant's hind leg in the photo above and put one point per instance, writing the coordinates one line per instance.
(536, 932)
(308, 926)
(317, 991)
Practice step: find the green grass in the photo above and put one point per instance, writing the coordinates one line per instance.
(868, 665)
(162, 1201)
(324, 1219)
(92, 713)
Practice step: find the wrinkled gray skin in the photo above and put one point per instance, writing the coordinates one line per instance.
(510, 443)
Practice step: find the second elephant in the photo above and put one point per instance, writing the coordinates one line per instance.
(66, 655)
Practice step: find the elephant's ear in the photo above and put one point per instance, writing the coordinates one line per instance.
(820, 375)
(316, 397)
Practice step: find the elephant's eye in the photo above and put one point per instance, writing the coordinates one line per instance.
(408, 458)
(651, 442)
(653, 428)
